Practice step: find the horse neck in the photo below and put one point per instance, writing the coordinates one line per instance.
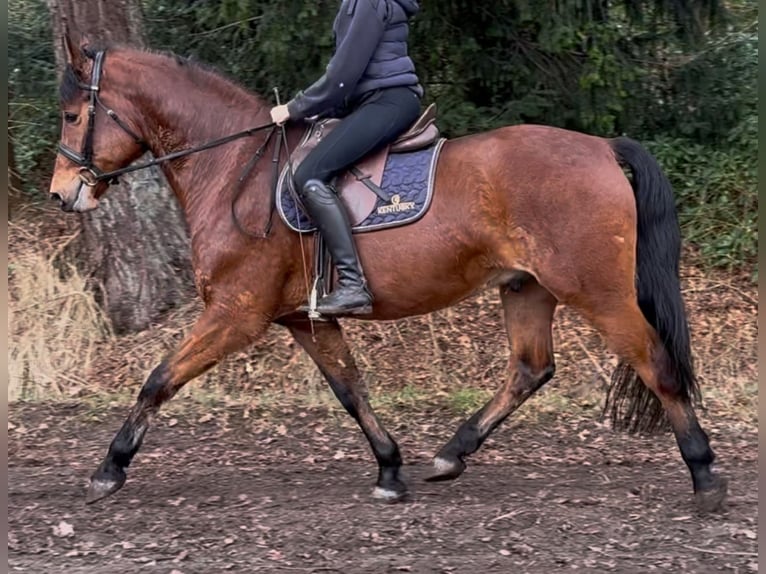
(183, 106)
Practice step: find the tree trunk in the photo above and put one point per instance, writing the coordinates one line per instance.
(135, 246)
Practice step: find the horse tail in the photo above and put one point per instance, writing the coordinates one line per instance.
(634, 407)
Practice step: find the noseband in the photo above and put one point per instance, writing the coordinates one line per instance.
(89, 173)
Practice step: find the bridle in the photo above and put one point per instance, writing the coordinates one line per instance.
(91, 175)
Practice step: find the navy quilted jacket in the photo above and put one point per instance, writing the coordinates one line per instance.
(370, 53)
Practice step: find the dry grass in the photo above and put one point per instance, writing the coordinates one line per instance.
(456, 358)
(54, 323)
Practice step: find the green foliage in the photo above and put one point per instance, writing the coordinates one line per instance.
(33, 115)
(258, 42)
(505, 66)
(468, 400)
(486, 65)
(717, 196)
(705, 95)
(707, 106)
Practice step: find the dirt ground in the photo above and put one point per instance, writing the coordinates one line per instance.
(230, 491)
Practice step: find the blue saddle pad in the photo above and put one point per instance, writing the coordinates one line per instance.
(407, 181)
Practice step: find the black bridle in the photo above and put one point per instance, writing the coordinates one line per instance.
(85, 158)
(91, 175)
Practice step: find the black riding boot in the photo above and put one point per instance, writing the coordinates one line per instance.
(351, 297)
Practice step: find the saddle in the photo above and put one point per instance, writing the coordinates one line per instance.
(359, 186)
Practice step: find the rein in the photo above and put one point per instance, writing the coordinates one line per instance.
(112, 175)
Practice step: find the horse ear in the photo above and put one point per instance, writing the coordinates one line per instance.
(73, 50)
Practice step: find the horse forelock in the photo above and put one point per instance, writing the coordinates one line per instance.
(69, 88)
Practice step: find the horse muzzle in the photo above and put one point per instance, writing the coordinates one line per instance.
(65, 205)
(81, 201)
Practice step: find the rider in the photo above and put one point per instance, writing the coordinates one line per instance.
(371, 84)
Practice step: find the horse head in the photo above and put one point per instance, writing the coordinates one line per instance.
(94, 138)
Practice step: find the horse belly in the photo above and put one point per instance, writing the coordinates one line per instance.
(413, 272)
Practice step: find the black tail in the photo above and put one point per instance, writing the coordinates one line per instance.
(633, 406)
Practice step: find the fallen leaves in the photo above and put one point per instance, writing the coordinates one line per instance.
(202, 499)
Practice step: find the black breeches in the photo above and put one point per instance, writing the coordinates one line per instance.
(378, 121)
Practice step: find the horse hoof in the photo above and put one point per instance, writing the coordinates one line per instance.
(388, 495)
(446, 469)
(711, 499)
(103, 487)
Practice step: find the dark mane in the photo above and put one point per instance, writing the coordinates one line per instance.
(195, 64)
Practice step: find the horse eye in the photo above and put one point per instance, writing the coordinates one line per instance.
(70, 118)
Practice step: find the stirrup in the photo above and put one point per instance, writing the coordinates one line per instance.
(311, 308)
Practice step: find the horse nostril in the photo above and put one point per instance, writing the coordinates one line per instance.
(57, 197)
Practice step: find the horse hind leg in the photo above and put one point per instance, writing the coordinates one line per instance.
(528, 312)
(330, 352)
(647, 392)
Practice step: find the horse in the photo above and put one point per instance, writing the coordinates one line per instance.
(546, 216)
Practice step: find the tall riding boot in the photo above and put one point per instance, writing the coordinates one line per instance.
(351, 297)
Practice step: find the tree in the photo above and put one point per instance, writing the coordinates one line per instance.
(135, 247)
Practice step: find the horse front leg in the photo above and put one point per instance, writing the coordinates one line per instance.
(332, 356)
(217, 333)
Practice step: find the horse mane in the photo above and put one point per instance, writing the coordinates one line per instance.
(70, 90)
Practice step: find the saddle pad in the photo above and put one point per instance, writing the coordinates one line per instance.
(407, 181)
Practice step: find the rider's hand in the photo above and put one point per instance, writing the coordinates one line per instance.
(280, 114)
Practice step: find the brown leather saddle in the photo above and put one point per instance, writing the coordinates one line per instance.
(359, 187)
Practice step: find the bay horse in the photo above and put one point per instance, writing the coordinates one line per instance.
(545, 215)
